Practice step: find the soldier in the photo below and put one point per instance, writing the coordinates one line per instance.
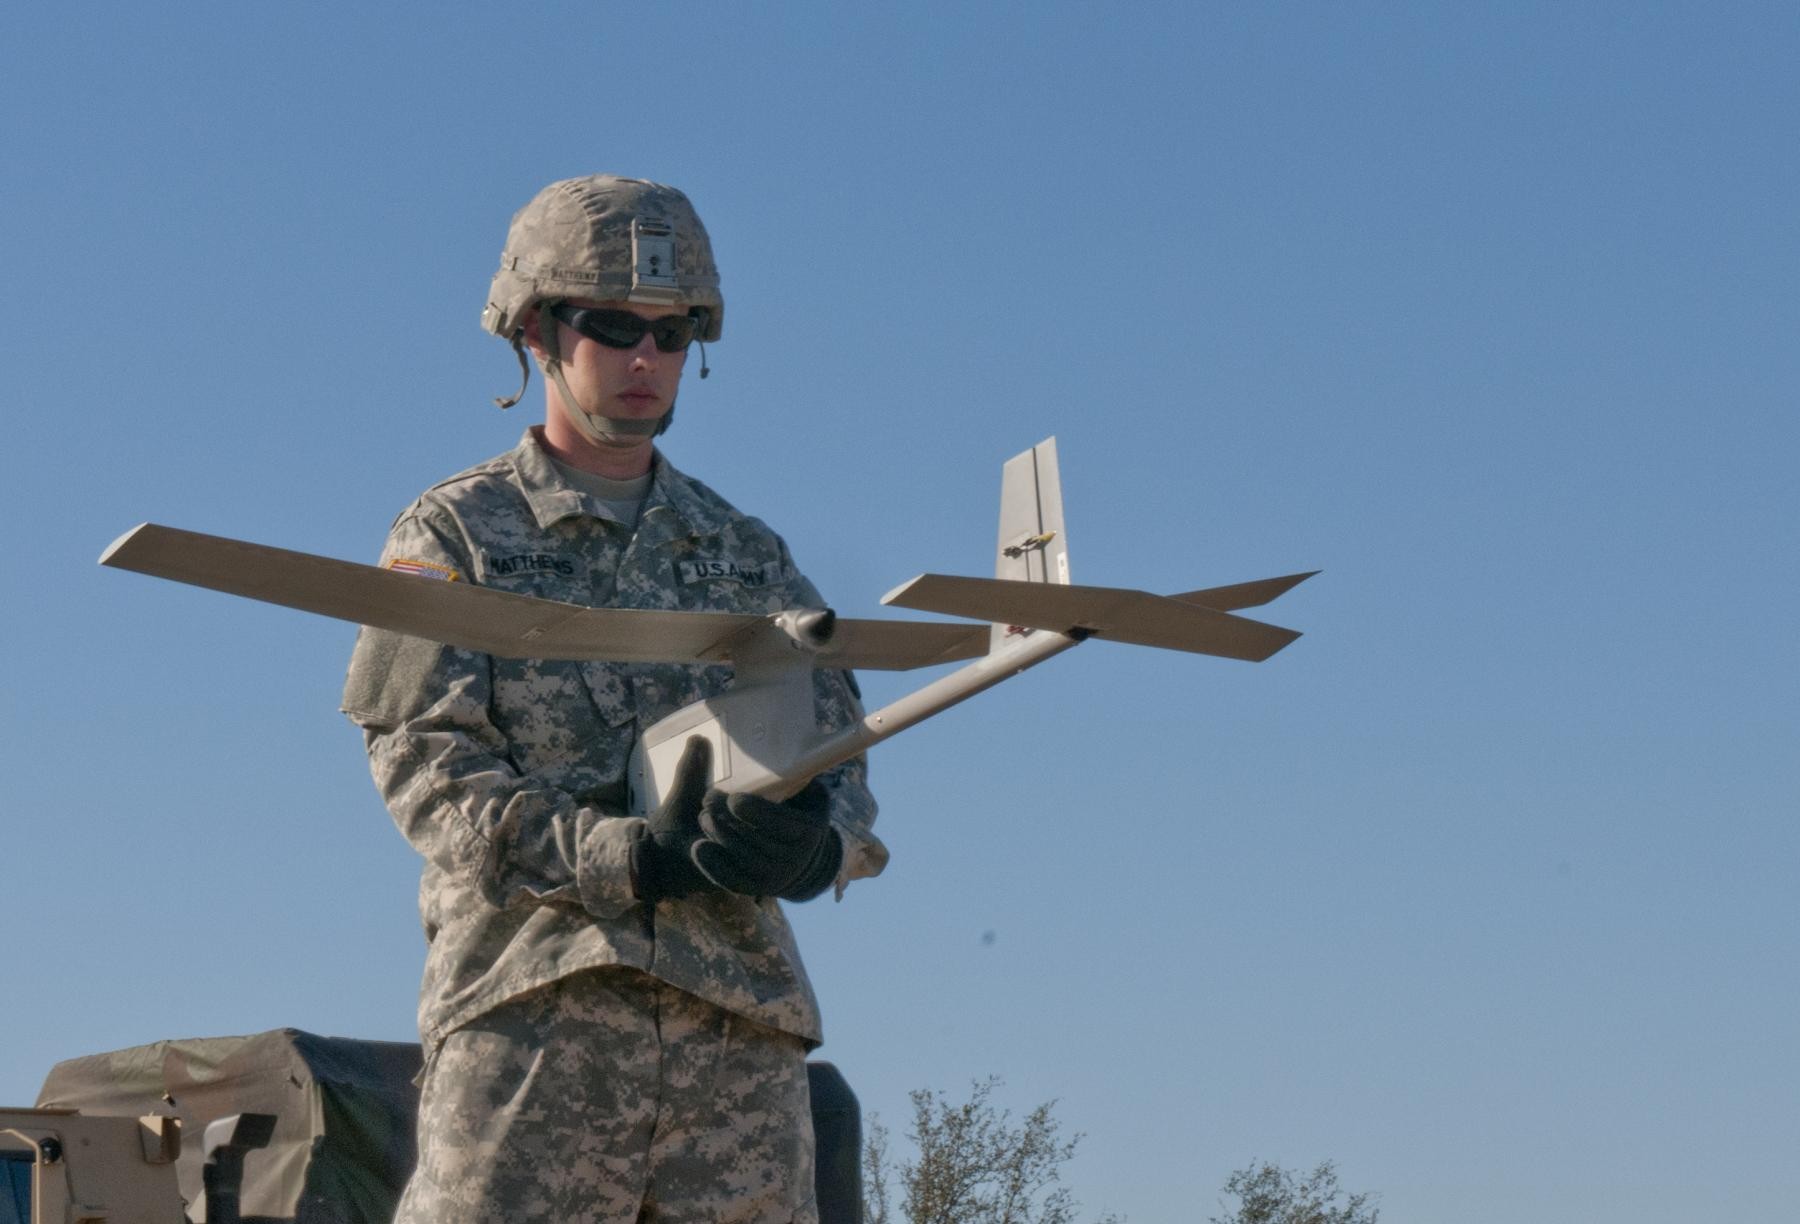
(614, 1012)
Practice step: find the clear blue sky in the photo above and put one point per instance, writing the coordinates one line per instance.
(1484, 889)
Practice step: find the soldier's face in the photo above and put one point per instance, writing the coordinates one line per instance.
(621, 384)
(638, 383)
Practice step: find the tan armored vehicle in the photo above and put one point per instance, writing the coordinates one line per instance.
(290, 1125)
(58, 1167)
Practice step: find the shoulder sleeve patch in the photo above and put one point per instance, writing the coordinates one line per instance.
(422, 569)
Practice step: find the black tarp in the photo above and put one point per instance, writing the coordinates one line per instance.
(343, 1143)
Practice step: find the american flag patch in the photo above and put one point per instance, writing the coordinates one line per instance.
(422, 569)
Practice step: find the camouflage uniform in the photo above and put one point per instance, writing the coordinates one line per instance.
(509, 776)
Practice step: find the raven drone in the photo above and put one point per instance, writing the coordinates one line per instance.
(762, 730)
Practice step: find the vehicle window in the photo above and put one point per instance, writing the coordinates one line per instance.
(15, 1187)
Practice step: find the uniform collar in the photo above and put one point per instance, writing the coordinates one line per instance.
(672, 507)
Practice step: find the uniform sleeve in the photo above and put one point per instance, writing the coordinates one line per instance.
(448, 775)
(837, 705)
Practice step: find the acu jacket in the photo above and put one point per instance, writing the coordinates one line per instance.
(508, 776)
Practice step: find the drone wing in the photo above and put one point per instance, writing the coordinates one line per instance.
(500, 622)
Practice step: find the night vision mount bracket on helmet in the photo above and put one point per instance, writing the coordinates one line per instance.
(762, 730)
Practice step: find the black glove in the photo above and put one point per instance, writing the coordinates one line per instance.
(662, 863)
(761, 848)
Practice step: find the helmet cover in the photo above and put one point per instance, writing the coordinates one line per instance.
(608, 239)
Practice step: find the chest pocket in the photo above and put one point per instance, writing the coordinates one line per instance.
(555, 729)
(567, 723)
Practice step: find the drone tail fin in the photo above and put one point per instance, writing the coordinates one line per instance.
(1032, 545)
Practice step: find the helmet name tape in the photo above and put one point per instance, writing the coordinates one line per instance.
(653, 262)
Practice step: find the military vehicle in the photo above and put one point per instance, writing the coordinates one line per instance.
(60, 1167)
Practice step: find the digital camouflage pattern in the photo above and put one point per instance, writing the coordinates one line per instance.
(526, 1117)
(574, 239)
(508, 776)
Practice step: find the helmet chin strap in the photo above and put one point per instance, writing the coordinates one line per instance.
(618, 433)
(518, 348)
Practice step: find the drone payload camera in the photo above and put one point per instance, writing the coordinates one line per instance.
(762, 730)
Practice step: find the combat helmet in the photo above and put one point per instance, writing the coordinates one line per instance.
(610, 239)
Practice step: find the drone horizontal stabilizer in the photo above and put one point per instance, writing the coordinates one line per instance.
(1244, 594)
(891, 645)
(502, 623)
(1117, 613)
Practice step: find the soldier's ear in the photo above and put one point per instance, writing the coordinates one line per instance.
(534, 339)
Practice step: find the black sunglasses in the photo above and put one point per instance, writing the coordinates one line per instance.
(621, 329)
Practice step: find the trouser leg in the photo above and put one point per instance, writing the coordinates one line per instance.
(613, 1098)
(734, 1139)
(541, 1109)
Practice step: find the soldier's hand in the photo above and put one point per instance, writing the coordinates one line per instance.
(662, 863)
(762, 848)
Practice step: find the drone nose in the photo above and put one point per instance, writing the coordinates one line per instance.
(817, 625)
